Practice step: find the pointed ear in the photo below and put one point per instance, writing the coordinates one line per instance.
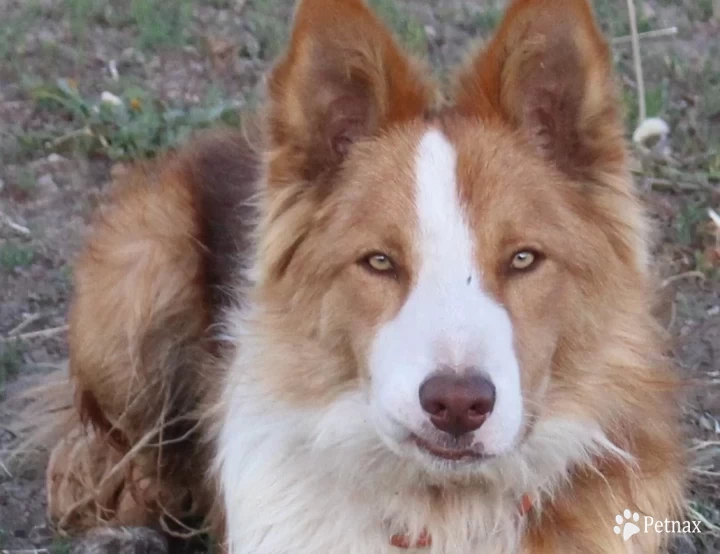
(343, 79)
(548, 72)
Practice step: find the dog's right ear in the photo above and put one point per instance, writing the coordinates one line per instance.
(342, 79)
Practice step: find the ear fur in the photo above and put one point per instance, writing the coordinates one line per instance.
(548, 72)
(343, 78)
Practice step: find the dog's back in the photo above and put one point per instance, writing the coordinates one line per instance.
(159, 266)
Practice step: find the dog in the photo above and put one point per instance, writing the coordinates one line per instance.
(390, 320)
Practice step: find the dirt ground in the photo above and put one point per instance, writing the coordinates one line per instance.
(202, 63)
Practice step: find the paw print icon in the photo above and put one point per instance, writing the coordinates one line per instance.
(627, 524)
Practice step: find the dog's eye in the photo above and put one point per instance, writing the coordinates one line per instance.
(379, 263)
(524, 260)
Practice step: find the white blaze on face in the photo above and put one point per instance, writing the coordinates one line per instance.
(447, 321)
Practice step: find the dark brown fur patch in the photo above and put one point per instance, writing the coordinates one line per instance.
(224, 171)
(161, 263)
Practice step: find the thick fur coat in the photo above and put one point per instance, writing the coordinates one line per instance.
(252, 325)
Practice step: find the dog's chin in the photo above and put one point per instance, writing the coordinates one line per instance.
(440, 455)
(448, 451)
(447, 456)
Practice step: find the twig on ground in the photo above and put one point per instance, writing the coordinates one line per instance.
(85, 131)
(647, 35)
(14, 226)
(680, 276)
(35, 334)
(634, 39)
(26, 551)
(700, 445)
(705, 472)
(24, 324)
(6, 470)
(695, 514)
(665, 184)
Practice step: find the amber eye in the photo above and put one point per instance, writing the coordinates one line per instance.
(523, 260)
(380, 263)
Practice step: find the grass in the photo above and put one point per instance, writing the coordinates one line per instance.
(613, 17)
(161, 23)
(408, 29)
(13, 256)
(11, 360)
(26, 180)
(132, 124)
(482, 20)
(701, 10)
(61, 545)
(156, 23)
(13, 32)
(269, 31)
(80, 13)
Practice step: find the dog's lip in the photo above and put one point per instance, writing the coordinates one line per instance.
(446, 453)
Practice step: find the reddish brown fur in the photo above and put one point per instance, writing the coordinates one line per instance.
(344, 78)
(591, 296)
(549, 149)
(151, 279)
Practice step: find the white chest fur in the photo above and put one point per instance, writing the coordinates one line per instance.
(322, 481)
(292, 484)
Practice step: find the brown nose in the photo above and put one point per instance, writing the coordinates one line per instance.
(457, 404)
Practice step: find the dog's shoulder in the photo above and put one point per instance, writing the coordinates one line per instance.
(223, 169)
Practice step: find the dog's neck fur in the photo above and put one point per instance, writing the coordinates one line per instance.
(319, 479)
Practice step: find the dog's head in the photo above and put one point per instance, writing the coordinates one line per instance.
(454, 269)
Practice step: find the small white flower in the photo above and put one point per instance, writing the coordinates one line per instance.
(651, 128)
(109, 98)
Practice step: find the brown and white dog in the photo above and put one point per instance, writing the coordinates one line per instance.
(397, 323)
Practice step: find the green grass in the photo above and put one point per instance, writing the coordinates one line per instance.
(11, 360)
(61, 545)
(656, 97)
(13, 256)
(13, 32)
(161, 23)
(691, 216)
(692, 232)
(483, 20)
(80, 13)
(614, 19)
(156, 24)
(700, 10)
(269, 31)
(408, 29)
(140, 126)
(26, 180)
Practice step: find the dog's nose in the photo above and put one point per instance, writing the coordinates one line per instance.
(457, 404)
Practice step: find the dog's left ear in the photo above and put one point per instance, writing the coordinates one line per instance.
(548, 72)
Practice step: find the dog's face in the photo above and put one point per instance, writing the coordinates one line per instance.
(443, 264)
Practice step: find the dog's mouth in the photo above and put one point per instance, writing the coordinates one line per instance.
(448, 452)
